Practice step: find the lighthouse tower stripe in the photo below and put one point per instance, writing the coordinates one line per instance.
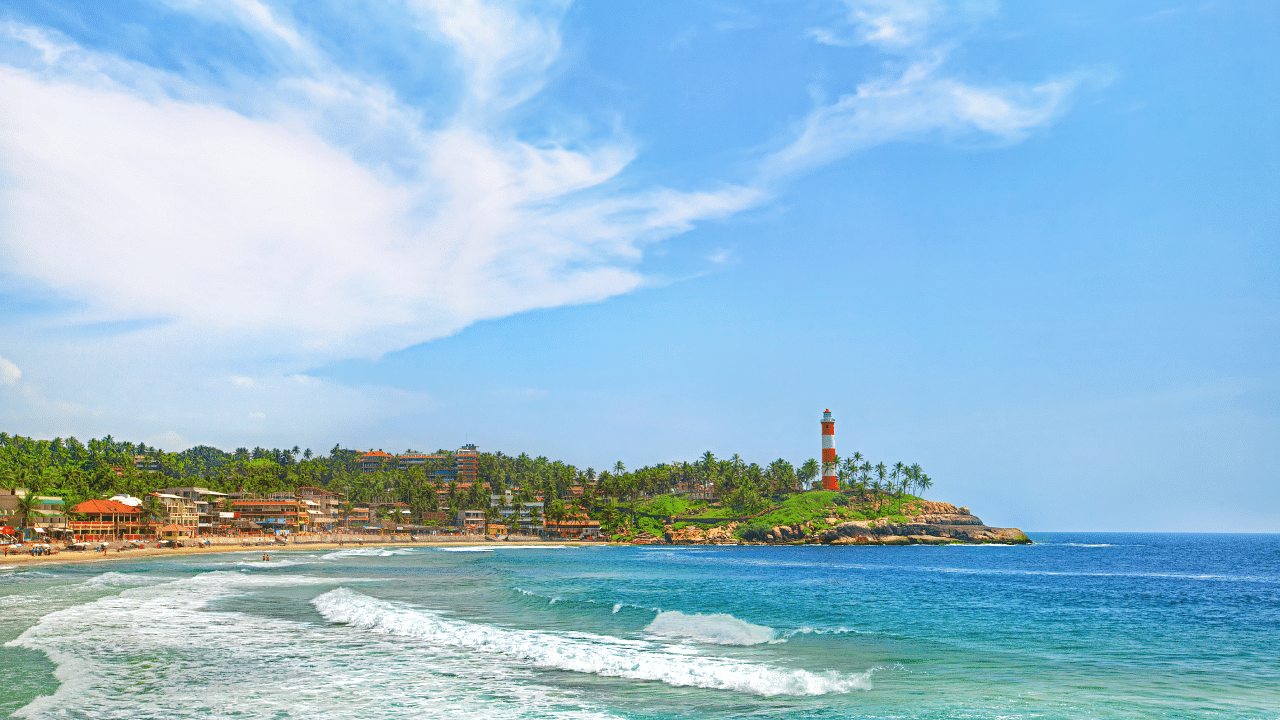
(830, 481)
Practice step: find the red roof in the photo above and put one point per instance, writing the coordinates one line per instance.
(105, 507)
(375, 453)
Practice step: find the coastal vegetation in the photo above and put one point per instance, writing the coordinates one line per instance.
(706, 491)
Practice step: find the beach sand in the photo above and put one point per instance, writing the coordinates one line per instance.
(14, 561)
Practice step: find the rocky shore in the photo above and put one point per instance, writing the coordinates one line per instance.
(927, 522)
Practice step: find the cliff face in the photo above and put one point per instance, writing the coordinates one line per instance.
(927, 523)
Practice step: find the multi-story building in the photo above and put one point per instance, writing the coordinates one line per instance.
(471, 521)
(146, 464)
(107, 520)
(464, 467)
(323, 506)
(47, 518)
(270, 514)
(467, 463)
(574, 526)
(208, 505)
(373, 461)
(530, 520)
(179, 510)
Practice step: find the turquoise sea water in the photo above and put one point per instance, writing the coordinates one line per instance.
(1076, 626)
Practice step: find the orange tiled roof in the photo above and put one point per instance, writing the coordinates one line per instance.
(375, 453)
(105, 507)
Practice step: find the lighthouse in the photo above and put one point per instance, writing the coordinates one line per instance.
(829, 479)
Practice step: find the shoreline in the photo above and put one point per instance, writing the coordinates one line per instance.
(69, 557)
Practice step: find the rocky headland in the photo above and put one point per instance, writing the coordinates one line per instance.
(923, 522)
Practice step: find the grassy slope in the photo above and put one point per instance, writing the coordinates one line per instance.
(810, 507)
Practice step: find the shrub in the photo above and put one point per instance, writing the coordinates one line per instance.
(754, 532)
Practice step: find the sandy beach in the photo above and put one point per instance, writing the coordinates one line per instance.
(229, 545)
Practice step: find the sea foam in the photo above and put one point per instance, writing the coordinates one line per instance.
(160, 651)
(717, 629)
(581, 652)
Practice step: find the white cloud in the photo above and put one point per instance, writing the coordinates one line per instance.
(10, 374)
(920, 98)
(919, 101)
(282, 219)
(893, 23)
(269, 229)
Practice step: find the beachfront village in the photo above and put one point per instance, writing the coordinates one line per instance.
(107, 490)
(189, 513)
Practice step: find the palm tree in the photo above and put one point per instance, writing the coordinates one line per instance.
(808, 471)
(346, 509)
(924, 482)
(27, 505)
(151, 509)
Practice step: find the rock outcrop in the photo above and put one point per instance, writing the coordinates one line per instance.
(928, 522)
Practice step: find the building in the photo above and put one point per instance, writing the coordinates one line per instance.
(467, 463)
(531, 513)
(179, 510)
(171, 531)
(279, 514)
(373, 461)
(324, 507)
(144, 463)
(107, 520)
(574, 526)
(208, 505)
(47, 518)
(471, 521)
(464, 467)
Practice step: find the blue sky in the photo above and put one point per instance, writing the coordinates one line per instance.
(1031, 246)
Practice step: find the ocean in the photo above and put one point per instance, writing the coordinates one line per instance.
(1088, 625)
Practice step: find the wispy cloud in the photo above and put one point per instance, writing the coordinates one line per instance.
(308, 211)
(287, 225)
(919, 97)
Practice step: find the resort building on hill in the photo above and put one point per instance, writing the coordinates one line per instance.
(464, 468)
(146, 464)
(107, 520)
(373, 461)
(208, 504)
(467, 463)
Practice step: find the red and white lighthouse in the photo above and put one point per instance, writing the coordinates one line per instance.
(829, 479)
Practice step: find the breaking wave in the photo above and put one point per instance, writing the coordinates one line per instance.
(581, 652)
(122, 580)
(717, 629)
(366, 552)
